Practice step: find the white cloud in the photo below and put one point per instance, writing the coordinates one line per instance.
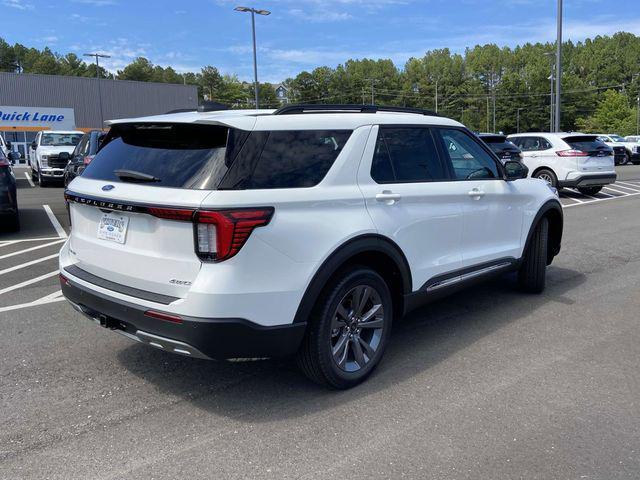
(320, 16)
(50, 39)
(96, 3)
(19, 4)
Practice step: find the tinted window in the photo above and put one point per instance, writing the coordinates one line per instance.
(285, 159)
(80, 148)
(531, 144)
(405, 154)
(468, 158)
(205, 157)
(584, 143)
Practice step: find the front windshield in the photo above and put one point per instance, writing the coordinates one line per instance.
(617, 138)
(61, 139)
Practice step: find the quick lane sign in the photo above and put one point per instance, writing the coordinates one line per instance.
(58, 118)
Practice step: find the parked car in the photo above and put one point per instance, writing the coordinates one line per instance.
(81, 155)
(5, 147)
(622, 150)
(9, 217)
(633, 143)
(44, 153)
(571, 160)
(502, 147)
(304, 231)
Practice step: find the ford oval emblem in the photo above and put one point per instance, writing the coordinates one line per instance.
(107, 188)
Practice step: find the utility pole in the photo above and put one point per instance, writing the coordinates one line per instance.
(98, 56)
(494, 109)
(436, 95)
(638, 116)
(558, 67)
(551, 103)
(373, 97)
(487, 114)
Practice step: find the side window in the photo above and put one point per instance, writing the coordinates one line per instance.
(469, 160)
(406, 154)
(79, 150)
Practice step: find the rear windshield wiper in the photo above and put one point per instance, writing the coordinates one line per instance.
(133, 176)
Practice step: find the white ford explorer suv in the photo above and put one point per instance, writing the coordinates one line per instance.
(573, 160)
(44, 154)
(304, 231)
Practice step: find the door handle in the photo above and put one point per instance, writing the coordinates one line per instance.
(476, 193)
(388, 197)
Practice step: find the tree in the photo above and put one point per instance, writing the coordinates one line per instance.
(140, 69)
(613, 115)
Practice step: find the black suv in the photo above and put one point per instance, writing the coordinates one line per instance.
(82, 155)
(502, 147)
(8, 198)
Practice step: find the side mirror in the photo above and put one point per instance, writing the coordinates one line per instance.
(34, 145)
(9, 145)
(515, 170)
(64, 156)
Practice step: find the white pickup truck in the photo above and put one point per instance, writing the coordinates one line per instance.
(44, 154)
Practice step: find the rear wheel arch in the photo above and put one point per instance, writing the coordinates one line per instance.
(552, 210)
(374, 251)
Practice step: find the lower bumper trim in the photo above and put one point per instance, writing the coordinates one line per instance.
(208, 338)
(589, 180)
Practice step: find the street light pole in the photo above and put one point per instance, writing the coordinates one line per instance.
(518, 119)
(638, 116)
(97, 56)
(436, 95)
(253, 12)
(558, 67)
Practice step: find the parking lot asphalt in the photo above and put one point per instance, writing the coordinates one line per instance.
(488, 383)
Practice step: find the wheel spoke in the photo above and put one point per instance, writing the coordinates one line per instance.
(367, 348)
(342, 311)
(357, 353)
(376, 323)
(367, 316)
(360, 297)
(342, 358)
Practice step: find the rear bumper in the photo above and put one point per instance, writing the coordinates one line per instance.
(211, 338)
(589, 180)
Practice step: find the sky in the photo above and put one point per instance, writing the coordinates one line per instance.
(299, 34)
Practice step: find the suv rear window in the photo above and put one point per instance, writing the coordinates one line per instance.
(584, 143)
(206, 157)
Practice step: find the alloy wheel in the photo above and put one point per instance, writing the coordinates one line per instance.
(546, 177)
(356, 328)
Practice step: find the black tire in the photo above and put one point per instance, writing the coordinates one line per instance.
(627, 158)
(14, 223)
(589, 190)
(34, 177)
(548, 176)
(533, 271)
(315, 357)
(43, 183)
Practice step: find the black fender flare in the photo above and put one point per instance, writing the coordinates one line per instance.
(341, 255)
(549, 205)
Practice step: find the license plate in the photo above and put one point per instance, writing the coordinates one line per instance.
(113, 228)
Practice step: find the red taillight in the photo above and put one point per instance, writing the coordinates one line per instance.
(221, 234)
(4, 162)
(167, 317)
(572, 153)
(64, 280)
(87, 159)
(171, 213)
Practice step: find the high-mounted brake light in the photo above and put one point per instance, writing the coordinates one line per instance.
(221, 234)
(572, 153)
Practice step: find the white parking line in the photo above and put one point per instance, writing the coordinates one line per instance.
(28, 264)
(606, 194)
(617, 191)
(41, 239)
(28, 282)
(26, 250)
(623, 185)
(54, 221)
(51, 298)
(29, 179)
(601, 200)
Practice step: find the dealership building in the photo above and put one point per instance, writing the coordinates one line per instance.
(30, 103)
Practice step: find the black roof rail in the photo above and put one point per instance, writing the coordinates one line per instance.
(347, 108)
